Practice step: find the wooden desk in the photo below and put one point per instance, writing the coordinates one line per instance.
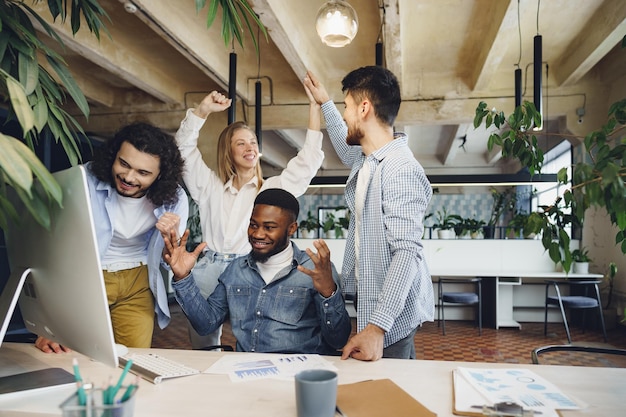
(430, 382)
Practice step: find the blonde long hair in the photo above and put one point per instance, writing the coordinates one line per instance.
(225, 164)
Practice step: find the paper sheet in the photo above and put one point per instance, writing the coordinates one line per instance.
(262, 366)
(476, 386)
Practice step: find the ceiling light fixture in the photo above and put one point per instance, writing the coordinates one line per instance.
(379, 42)
(336, 23)
(537, 67)
(518, 70)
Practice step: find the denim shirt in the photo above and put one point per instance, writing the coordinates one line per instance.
(100, 195)
(287, 315)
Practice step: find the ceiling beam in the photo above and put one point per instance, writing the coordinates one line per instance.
(600, 34)
(482, 52)
(451, 147)
(95, 91)
(119, 54)
(187, 33)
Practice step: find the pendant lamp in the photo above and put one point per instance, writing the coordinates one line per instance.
(336, 23)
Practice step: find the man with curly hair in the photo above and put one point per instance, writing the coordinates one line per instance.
(134, 183)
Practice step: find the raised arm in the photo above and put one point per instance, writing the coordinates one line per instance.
(197, 175)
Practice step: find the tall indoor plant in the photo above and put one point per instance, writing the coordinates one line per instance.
(597, 181)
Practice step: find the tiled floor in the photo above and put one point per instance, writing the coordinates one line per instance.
(461, 342)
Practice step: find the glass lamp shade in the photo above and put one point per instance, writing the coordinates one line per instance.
(336, 23)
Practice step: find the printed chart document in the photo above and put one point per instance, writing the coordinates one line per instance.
(261, 366)
(474, 387)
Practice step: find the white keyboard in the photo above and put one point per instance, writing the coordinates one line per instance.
(156, 368)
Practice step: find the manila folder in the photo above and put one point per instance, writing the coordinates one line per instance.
(379, 397)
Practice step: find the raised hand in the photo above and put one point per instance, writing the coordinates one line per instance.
(322, 275)
(176, 256)
(212, 103)
(316, 88)
(167, 222)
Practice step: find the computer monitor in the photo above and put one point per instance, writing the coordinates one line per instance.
(63, 296)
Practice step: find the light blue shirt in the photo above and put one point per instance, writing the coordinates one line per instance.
(100, 194)
(394, 288)
(286, 315)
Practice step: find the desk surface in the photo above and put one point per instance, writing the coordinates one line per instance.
(430, 382)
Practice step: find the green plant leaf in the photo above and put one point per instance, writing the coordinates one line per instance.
(49, 184)
(41, 114)
(13, 165)
(28, 70)
(20, 103)
(7, 212)
(70, 85)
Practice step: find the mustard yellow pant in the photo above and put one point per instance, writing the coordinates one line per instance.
(131, 305)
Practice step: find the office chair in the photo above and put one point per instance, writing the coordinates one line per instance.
(467, 298)
(534, 355)
(584, 301)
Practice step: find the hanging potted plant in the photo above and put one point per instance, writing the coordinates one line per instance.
(309, 226)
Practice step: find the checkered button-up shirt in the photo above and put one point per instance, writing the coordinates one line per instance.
(394, 288)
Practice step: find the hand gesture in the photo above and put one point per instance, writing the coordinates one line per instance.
(322, 275)
(167, 222)
(367, 345)
(212, 103)
(316, 88)
(176, 256)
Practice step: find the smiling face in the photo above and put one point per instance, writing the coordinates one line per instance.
(133, 171)
(269, 231)
(245, 149)
(350, 116)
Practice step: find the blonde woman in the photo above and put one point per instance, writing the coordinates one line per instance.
(225, 198)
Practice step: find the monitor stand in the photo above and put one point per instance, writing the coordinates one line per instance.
(9, 297)
(42, 378)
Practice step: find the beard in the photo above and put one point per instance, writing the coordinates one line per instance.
(280, 246)
(355, 134)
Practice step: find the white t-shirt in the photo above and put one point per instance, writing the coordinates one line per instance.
(133, 220)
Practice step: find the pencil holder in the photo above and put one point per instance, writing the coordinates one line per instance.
(95, 406)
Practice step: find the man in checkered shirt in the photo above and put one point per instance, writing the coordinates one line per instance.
(387, 193)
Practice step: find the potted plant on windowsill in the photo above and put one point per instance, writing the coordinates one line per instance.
(502, 201)
(469, 228)
(309, 226)
(445, 224)
(581, 260)
(328, 226)
(475, 227)
(526, 224)
(341, 228)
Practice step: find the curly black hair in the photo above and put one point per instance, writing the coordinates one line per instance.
(149, 139)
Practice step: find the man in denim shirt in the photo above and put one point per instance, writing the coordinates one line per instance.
(278, 298)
